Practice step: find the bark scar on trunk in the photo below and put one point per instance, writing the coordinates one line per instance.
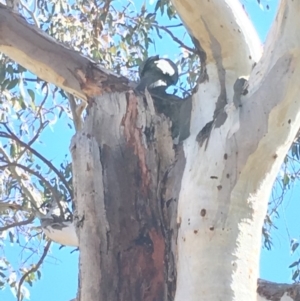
(133, 136)
(94, 81)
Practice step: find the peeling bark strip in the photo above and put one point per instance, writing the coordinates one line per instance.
(52, 61)
(234, 190)
(133, 211)
(89, 202)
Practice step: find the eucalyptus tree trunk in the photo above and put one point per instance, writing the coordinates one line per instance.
(127, 176)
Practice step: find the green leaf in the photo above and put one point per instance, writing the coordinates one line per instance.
(11, 236)
(10, 69)
(21, 69)
(295, 275)
(295, 246)
(2, 74)
(157, 6)
(12, 84)
(12, 284)
(31, 94)
(22, 103)
(4, 84)
(13, 150)
(294, 264)
(286, 180)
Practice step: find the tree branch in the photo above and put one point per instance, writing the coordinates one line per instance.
(177, 40)
(39, 176)
(77, 111)
(5, 206)
(41, 127)
(35, 200)
(37, 154)
(277, 291)
(31, 13)
(54, 62)
(224, 31)
(17, 224)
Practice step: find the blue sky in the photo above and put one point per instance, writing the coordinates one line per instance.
(60, 271)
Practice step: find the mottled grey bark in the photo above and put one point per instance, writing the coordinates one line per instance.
(270, 291)
(127, 177)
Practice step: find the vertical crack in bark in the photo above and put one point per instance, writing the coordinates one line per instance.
(168, 194)
(107, 236)
(203, 76)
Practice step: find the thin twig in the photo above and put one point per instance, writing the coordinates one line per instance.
(13, 206)
(39, 176)
(17, 224)
(172, 26)
(125, 7)
(76, 111)
(32, 15)
(170, 33)
(105, 9)
(43, 101)
(37, 154)
(42, 126)
(27, 190)
(33, 269)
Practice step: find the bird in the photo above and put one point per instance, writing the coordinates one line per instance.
(60, 231)
(58, 226)
(157, 74)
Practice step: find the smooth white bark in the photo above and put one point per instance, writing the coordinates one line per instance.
(224, 31)
(230, 176)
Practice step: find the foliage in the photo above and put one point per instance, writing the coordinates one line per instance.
(28, 180)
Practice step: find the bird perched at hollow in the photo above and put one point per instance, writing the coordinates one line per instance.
(157, 74)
